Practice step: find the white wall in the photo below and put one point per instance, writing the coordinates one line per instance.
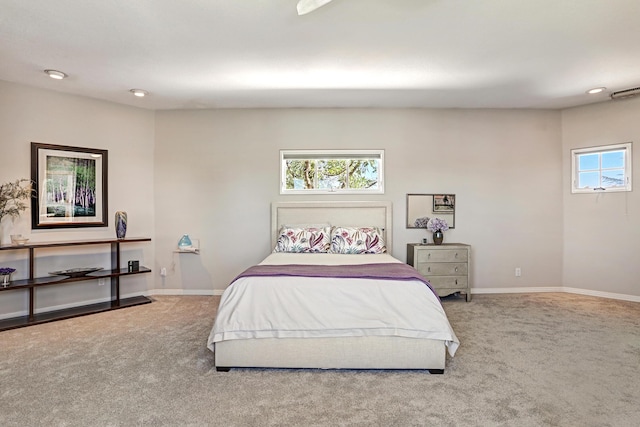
(214, 173)
(602, 231)
(34, 115)
(217, 173)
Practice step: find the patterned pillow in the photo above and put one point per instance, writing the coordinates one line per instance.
(308, 239)
(357, 240)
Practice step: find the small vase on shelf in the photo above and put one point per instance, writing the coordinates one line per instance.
(185, 242)
(5, 276)
(438, 236)
(121, 224)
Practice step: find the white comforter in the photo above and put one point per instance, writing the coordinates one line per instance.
(303, 307)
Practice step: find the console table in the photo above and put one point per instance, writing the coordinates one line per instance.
(32, 283)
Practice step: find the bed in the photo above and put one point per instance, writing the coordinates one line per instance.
(353, 309)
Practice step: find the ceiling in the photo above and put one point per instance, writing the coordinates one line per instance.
(348, 53)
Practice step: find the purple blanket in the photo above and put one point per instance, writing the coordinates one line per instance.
(385, 271)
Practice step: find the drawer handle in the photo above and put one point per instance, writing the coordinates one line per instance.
(456, 269)
(456, 254)
(429, 269)
(456, 281)
(428, 256)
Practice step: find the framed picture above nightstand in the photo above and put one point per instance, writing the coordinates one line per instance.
(445, 266)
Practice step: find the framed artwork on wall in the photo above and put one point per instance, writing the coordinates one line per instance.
(70, 186)
(444, 203)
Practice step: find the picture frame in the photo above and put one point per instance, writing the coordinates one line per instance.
(70, 186)
(444, 203)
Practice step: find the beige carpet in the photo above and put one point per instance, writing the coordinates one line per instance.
(525, 360)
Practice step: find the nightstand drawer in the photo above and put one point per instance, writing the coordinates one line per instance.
(442, 269)
(447, 267)
(445, 282)
(446, 255)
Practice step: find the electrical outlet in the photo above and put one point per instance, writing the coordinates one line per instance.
(518, 272)
(101, 282)
(163, 271)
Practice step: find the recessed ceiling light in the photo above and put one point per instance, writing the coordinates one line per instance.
(596, 90)
(139, 92)
(55, 74)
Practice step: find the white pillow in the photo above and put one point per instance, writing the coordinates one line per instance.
(357, 240)
(303, 240)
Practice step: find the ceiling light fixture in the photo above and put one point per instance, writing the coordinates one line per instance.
(596, 90)
(55, 74)
(306, 6)
(139, 92)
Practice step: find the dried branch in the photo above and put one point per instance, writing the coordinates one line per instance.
(14, 197)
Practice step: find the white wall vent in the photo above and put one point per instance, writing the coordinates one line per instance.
(627, 93)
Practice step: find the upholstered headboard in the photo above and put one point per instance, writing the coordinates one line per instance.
(347, 214)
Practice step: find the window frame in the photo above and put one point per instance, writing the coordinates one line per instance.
(331, 154)
(626, 148)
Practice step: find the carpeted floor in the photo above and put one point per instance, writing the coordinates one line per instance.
(525, 360)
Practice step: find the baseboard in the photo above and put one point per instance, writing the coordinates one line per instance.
(567, 289)
(55, 307)
(611, 295)
(210, 292)
(106, 299)
(185, 292)
(66, 306)
(529, 290)
(539, 289)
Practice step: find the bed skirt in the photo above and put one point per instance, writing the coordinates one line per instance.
(372, 352)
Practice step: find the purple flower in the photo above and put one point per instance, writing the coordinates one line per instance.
(437, 224)
(6, 270)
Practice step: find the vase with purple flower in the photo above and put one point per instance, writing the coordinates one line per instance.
(5, 276)
(437, 226)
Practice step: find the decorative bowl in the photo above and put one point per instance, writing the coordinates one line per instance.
(19, 240)
(75, 272)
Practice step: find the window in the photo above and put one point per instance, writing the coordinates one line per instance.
(604, 168)
(331, 171)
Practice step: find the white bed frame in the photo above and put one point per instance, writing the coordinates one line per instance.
(333, 353)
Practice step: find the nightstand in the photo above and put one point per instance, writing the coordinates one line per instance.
(445, 266)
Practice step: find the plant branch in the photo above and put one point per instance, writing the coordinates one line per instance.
(14, 197)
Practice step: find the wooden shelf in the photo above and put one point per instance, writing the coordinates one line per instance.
(194, 249)
(185, 251)
(36, 245)
(32, 283)
(51, 316)
(58, 280)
